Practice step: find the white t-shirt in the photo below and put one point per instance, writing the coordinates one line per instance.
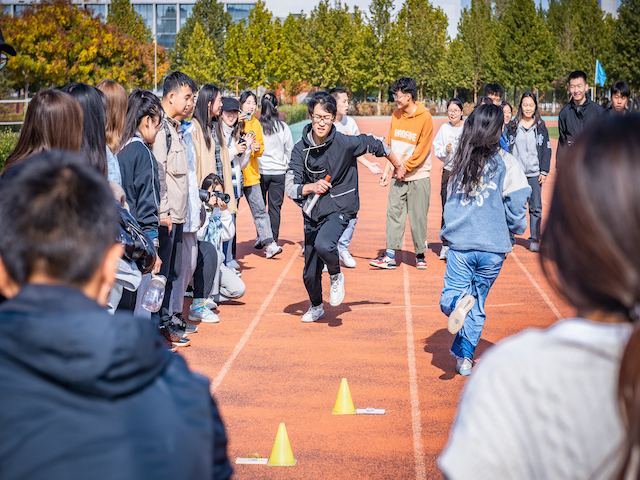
(347, 125)
(448, 134)
(542, 405)
(277, 151)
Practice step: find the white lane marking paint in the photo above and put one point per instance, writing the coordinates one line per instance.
(236, 351)
(418, 448)
(535, 284)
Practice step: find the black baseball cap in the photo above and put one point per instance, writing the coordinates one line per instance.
(5, 47)
(230, 104)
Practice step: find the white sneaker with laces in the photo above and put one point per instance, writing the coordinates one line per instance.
(198, 312)
(463, 366)
(347, 259)
(210, 303)
(336, 294)
(273, 249)
(456, 319)
(313, 314)
(444, 252)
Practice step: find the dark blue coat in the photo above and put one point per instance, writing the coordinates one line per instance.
(84, 394)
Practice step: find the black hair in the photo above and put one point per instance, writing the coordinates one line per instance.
(177, 80)
(269, 119)
(325, 100)
(479, 142)
(212, 179)
(406, 85)
(484, 100)
(622, 88)
(537, 119)
(493, 89)
(94, 124)
(457, 102)
(335, 91)
(67, 219)
(142, 103)
(577, 74)
(243, 98)
(206, 97)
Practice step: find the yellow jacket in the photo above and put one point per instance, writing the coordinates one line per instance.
(251, 174)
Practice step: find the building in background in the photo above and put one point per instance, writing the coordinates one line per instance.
(163, 17)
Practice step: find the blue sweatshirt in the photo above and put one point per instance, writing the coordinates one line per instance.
(498, 205)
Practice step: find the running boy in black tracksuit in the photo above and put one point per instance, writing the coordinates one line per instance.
(323, 151)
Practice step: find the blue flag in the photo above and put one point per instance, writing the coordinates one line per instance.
(601, 77)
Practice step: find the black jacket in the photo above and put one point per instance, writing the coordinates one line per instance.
(572, 120)
(141, 185)
(543, 144)
(336, 157)
(84, 394)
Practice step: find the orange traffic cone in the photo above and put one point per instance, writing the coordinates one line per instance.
(281, 455)
(344, 404)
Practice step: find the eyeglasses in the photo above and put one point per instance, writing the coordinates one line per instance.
(3, 60)
(397, 97)
(321, 120)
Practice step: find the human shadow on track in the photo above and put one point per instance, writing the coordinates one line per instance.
(331, 314)
(439, 344)
(245, 249)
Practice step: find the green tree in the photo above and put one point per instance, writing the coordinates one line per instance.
(256, 50)
(526, 50)
(201, 62)
(626, 44)
(477, 33)
(425, 33)
(211, 16)
(58, 43)
(122, 15)
(582, 35)
(457, 68)
(297, 52)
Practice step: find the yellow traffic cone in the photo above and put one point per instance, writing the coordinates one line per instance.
(281, 455)
(344, 404)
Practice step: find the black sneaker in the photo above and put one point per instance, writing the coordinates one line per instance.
(180, 324)
(174, 337)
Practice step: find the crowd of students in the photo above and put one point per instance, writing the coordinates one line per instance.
(180, 166)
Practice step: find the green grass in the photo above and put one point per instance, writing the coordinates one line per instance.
(295, 113)
(553, 132)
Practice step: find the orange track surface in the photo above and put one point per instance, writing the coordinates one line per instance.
(388, 338)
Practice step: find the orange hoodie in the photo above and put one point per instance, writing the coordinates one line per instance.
(410, 138)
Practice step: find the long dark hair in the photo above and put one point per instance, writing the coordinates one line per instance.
(243, 98)
(479, 142)
(237, 131)
(141, 103)
(589, 250)
(537, 119)
(269, 119)
(94, 124)
(117, 110)
(53, 121)
(206, 97)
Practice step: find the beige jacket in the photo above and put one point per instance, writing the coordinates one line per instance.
(173, 169)
(206, 163)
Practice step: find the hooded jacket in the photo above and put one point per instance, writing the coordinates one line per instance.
(336, 157)
(572, 120)
(543, 147)
(410, 138)
(84, 394)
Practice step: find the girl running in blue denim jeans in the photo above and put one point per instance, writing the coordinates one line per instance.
(488, 195)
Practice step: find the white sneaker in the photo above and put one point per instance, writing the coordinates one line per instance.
(463, 366)
(198, 312)
(313, 314)
(336, 295)
(210, 303)
(347, 259)
(444, 252)
(273, 249)
(456, 319)
(325, 269)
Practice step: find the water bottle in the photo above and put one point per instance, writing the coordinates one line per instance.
(154, 294)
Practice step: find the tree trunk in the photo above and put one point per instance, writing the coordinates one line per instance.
(378, 107)
(26, 97)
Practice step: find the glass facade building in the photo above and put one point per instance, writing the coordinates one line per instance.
(164, 18)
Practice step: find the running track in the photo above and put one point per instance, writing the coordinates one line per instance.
(388, 338)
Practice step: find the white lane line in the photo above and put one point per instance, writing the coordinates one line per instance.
(355, 309)
(418, 447)
(236, 351)
(535, 284)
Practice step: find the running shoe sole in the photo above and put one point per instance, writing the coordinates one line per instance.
(456, 319)
(383, 265)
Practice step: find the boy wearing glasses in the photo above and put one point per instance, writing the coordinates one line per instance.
(323, 152)
(410, 138)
